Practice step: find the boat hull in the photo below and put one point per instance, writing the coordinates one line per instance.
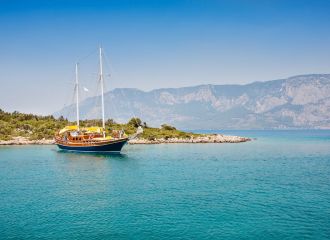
(113, 146)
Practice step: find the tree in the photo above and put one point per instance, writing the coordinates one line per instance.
(110, 121)
(167, 127)
(145, 125)
(135, 122)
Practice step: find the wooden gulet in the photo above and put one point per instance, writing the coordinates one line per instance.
(90, 139)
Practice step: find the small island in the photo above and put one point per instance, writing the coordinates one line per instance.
(20, 129)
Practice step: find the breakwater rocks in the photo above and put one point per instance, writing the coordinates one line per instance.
(210, 138)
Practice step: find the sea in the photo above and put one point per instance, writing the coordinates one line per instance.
(276, 186)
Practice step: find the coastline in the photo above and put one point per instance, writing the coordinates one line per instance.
(26, 141)
(209, 138)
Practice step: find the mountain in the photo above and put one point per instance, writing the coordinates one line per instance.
(293, 103)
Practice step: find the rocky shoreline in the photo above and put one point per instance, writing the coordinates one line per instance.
(210, 138)
(26, 141)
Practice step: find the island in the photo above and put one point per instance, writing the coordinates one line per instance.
(20, 129)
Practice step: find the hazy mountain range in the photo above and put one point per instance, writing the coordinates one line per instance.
(296, 102)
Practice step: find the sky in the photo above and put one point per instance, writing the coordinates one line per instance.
(154, 44)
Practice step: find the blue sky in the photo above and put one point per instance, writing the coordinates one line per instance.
(154, 44)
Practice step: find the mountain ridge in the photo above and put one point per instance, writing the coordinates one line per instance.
(301, 101)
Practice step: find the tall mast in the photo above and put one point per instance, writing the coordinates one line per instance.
(77, 95)
(102, 91)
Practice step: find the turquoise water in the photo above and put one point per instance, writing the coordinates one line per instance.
(275, 187)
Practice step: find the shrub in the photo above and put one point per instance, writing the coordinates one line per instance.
(167, 127)
(39, 127)
(135, 122)
(151, 138)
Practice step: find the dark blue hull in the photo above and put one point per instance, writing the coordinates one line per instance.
(108, 147)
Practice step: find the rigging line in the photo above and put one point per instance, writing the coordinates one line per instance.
(66, 104)
(96, 102)
(112, 109)
(87, 56)
(107, 79)
(108, 63)
(114, 113)
(66, 99)
(67, 109)
(129, 106)
(107, 92)
(67, 78)
(68, 93)
(112, 72)
(106, 76)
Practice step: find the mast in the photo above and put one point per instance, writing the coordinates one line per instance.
(102, 91)
(77, 96)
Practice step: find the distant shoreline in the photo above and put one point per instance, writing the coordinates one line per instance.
(208, 138)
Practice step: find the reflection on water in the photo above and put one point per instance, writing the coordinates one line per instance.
(92, 155)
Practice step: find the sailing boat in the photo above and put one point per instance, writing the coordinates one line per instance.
(90, 139)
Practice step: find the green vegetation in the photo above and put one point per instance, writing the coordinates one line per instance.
(28, 125)
(38, 127)
(167, 127)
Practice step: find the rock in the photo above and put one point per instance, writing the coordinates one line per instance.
(26, 141)
(215, 138)
(212, 138)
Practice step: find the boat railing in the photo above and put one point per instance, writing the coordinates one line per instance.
(82, 141)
